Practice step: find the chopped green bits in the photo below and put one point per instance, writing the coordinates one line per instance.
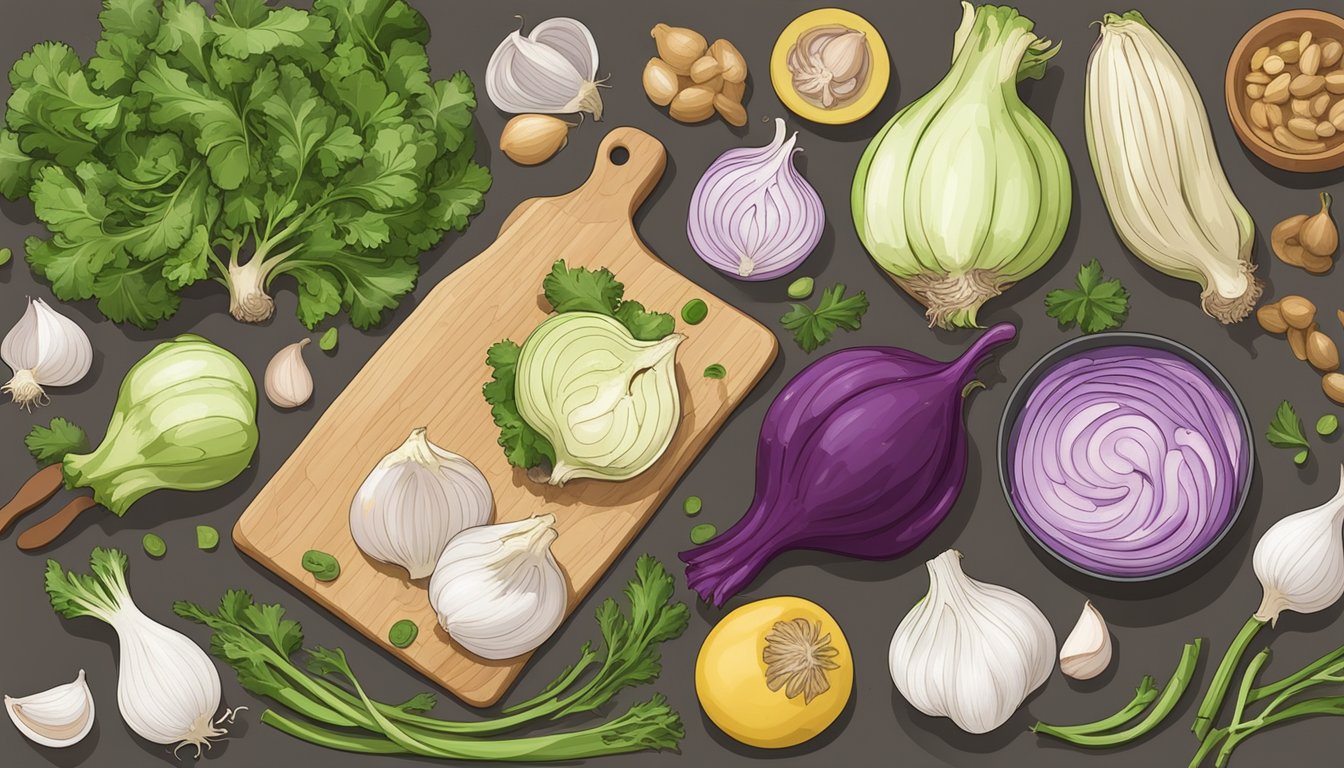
(692, 505)
(702, 533)
(154, 545)
(695, 311)
(1327, 424)
(207, 538)
(801, 288)
(715, 371)
(328, 340)
(1300, 458)
(403, 633)
(324, 567)
(5, 255)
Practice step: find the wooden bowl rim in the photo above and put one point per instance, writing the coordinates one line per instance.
(1327, 160)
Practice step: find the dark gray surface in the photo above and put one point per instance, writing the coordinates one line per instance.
(1150, 621)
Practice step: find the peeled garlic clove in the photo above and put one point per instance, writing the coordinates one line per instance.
(660, 82)
(678, 46)
(45, 349)
(1087, 651)
(59, 717)
(288, 382)
(1318, 234)
(533, 139)
(1300, 560)
(415, 501)
(497, 589)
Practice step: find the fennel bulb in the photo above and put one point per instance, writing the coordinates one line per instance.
(966, 192)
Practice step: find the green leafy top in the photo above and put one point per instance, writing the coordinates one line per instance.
(1285, 431)
(567, 290)
(1095, 305)
(813, 327)
(239, 147)
(100, 594)
(50, 444)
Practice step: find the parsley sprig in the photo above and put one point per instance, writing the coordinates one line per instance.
(1095, 305)
(1285, 431)
(50, 444)
(814, 327)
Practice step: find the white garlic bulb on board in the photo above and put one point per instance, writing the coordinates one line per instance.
(57, 717)
(497, 589)
(415, 501)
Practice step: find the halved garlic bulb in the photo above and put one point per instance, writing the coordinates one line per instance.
(415, 501)
(59, 717)
(497, 589)
(1087, 651)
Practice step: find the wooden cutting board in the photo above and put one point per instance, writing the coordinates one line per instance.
(430, 372)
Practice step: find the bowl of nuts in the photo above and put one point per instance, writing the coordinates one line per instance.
(1285, 90)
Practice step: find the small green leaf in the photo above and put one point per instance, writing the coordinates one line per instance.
(801, 288)
(1285, 431)
(403, 633)
(5, 255)
(702, 533)
(50, 444)
(695, 311)
(813, 327)
(691, 506)
(1300, 458)
(207, 538)
(154, 545)
(715, 371)
(1326, 425)
(329, 339)
(1095, 305)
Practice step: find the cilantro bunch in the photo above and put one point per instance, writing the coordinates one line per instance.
(239, 147)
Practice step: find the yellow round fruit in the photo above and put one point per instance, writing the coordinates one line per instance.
(829, 96)
(774, 673)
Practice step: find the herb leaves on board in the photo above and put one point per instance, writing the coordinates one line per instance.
(1094, 305)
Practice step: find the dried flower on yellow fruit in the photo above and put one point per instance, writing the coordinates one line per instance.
(774, 673)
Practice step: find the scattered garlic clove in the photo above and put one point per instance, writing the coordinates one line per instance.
(660, 82)
(533, 139)
(44, 349)
(678, 46)
(58, 717)
(1087, 651)
(288, 382)
(1318, 234)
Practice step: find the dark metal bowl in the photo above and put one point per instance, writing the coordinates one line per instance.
(1018, 399)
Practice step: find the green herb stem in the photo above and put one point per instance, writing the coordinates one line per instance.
(1247, 680)
(1144, 695)
(1213, 698)
(1330, 705)
(1324, 664)
(1180, 680)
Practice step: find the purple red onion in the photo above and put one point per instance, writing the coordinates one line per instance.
(1127, 461)
(753, 216)
(862, 454)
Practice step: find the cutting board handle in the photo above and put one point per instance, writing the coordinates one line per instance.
(629, 164)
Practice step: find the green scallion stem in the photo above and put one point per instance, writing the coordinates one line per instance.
(1330, 706)
(1213, 698)
(1247, 679)
(1180, 680)
(1323, 664)
(1144, 695)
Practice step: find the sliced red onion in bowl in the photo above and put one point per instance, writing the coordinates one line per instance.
(1127, 461)
(753, 216)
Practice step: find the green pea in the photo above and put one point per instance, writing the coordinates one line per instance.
(154, 545)
(695, 311)
(324, 567)
(328, 340)
(801, 288)
(715, 371)
(207, 538)
(692, 505)
(702, 533)
(1326, 425)
(403, 633)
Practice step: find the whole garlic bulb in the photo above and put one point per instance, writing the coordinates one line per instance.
(415, 501)
(497, 589)
(289, 384)
(970, 651)
(45, 349)
(57, 717)
(1300, 560)
(1087, 650)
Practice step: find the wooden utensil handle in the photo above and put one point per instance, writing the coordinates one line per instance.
(629, 164)
(34, 493)
(45, 532)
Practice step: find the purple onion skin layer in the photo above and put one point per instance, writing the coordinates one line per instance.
(862, 454)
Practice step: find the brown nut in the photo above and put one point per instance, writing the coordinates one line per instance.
(660, 82)
(732, 111)
(1297, 341)
(1333, 385)
(1297, 311)
(705, 68)
(678, 46)
(1283, 240)
(734, 91)
(1322, 352)
(692, 105)
(1271, 319)
(733, 63)
(1339, 313)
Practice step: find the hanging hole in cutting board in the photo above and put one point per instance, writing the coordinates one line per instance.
(619, 155)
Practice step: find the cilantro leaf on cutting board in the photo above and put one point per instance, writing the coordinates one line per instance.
(1094, 305)
(814, 327)
(49, 445)
(523, 445)
(1285, 431)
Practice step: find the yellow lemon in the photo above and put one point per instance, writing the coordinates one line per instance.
(774, 673)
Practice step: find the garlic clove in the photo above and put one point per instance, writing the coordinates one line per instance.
(533, 139)
(415, 501)
(1300, 560)
(1086, 652)
(497, 589)
(678, 46)
(289, 384)
(58, 717)
(844, 55)
(44, 349)
(1318, 234)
